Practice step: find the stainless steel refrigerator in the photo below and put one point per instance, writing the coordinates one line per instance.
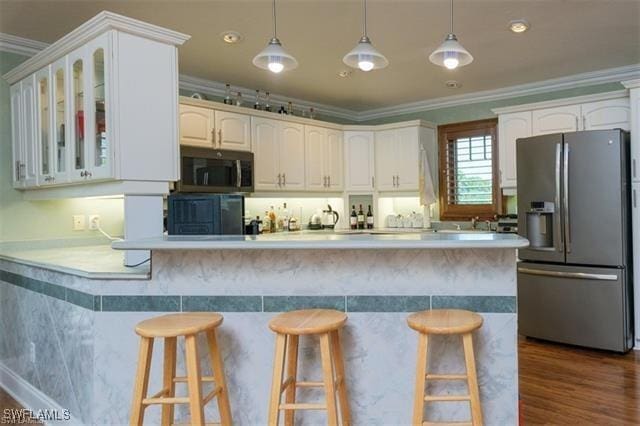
(575, 278)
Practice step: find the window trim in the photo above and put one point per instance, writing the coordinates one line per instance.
(466, 212)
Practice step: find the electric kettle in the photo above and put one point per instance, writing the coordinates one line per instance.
(330, 218)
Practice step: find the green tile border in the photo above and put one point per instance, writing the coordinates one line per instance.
(257, 303)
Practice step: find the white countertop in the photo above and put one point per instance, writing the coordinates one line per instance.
(323, 240)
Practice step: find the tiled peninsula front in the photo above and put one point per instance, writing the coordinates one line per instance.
(87, 349)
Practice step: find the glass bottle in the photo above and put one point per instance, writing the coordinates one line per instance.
(256, 104)
(227, 94)
(312, 113)
(238, 99)
(290, 108)
(267, 104)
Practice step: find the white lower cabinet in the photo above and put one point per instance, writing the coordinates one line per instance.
(323, 159)
(359, 161)
(279, 153)
(511, 127)
(397, 159)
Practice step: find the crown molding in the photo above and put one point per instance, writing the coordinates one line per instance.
(215, 88)
(632, 84)
(610, 75)
(20, 45)
(99, 24)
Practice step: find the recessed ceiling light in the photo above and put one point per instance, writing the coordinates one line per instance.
(452, 84)
(518, 26)
(344, 73)
(231, 37)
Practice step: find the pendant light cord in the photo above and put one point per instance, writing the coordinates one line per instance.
(275, 22)
(364, 14)
(451, 17)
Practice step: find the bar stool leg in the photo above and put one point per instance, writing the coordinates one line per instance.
(292, 372)
(168, 375)
(472, 379)
(218, 374)
(142, 381)
(421, 373)
(329, 384)
(336, 348)
(276, 384)
(193, 380)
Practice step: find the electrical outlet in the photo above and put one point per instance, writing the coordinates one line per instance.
(78, 222)
(94, 222)
(32, 352)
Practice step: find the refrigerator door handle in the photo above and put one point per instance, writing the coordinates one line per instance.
(559, 242)
(579, 275)
(567, 224)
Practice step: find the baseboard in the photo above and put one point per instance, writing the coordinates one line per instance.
(30, 397)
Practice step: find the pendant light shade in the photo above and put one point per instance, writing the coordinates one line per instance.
(450, 54)
(273, 57)
(364, 56)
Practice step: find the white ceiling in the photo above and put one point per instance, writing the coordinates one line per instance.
(566, 37)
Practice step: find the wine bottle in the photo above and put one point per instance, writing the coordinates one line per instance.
(256, 104)
(353, 220)
(267, 104)
(360, 218)
(369, 218)
(227, 97)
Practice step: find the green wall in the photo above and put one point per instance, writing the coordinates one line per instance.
(34, 220)
(482, 110)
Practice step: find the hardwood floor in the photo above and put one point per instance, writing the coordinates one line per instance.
(564, 385)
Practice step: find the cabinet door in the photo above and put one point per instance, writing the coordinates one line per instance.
(510, 128)
(407, 159)
(29, 140)
(234, 131)
(609, 114)
(43, 126)
(98, 122)
(359, 161)
(556, 120)
(78, 70)
(196, 126)
(266, 153)
(292, 156)
(386, 160)
(635, 138)
(61, 117)
(17, 134)
(315, 141)
(334, 164)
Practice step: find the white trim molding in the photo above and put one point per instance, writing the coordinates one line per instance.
(616, 94)
(215, 88)
(31, 398)
(631, 84)
(611, 75)
(20, 45)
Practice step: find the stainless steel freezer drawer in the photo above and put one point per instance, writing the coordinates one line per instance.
(582, 306)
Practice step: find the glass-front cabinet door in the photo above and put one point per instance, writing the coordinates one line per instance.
(43, 127)
(61, 116)
(77, 106)
(100, 140)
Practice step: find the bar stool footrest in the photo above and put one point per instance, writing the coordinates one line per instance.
(446, 377)
(447, 398)
(447, 424)
(303, 406)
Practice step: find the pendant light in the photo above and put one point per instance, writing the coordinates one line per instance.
(273, 57)
(364, 56)
(451, 54)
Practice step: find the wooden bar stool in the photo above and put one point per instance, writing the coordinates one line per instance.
(289, 327)
(170, 327)
(446, 321)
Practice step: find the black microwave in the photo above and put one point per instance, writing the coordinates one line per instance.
(215, 170)
(205, 214)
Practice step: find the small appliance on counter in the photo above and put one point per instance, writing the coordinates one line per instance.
(507, 224)
(205, 214)
(315, 221)
(330, 218)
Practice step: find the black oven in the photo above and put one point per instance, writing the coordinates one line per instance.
(215, 170)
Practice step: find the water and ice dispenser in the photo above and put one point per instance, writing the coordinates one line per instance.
(540, 224)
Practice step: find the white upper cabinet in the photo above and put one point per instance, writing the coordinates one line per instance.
(85, 111)
(233, 131)
(359, 161)
(279, 154)
(635, 140)
(556, 120)
(323, 159)
(197, 127)
(510, 128)
(609, 114)
(397, 159)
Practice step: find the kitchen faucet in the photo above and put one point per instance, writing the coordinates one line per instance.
(474, 222)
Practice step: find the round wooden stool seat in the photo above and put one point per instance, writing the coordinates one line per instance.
(308, 321)
(445, 321)
(183, 324)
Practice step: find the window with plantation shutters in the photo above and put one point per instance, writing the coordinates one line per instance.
(468, 170)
